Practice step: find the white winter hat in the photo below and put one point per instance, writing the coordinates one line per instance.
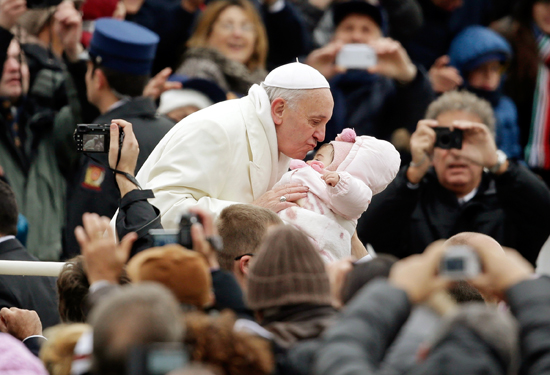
(296, 76)
(174, 99)
(373, 161)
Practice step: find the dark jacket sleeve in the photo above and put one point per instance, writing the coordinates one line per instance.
(356, 344)
(386, 222)
(229, 294)
(530, 303)
(136, 214)
(287, 35)
(526, 199)
(34, 344)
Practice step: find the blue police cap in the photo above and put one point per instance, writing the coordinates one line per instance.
(123, 46)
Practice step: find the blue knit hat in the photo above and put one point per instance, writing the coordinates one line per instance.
(123, 46)
(477, 45)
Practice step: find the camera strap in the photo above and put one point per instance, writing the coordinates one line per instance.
(130, 178)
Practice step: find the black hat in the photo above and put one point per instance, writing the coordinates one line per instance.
(343, 9)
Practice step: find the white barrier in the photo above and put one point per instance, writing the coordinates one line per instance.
(28, 268)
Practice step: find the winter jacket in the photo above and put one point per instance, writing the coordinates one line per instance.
(358, 341)
(472, 47)
(513, 208)
(376, 105)
(94, 186)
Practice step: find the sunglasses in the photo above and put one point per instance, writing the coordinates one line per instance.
(240, 256)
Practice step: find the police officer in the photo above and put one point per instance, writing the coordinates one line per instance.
(121, 56)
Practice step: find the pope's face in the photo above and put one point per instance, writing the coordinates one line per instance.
(301, 127)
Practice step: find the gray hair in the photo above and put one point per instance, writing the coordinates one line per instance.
(290, 96)
(132, 315)
(463, 101)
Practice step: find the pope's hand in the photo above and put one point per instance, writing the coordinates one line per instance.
(282, 197)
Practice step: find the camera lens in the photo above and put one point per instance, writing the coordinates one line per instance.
(445, 140)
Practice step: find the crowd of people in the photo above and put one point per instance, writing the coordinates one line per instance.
(276, 186)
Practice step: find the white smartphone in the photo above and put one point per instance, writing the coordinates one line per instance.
(356, 56)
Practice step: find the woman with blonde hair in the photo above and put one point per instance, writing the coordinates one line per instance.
(229, 46)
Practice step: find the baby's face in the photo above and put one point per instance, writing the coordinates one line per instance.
(325, 154)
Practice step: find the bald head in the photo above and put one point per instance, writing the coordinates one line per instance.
(475, 240)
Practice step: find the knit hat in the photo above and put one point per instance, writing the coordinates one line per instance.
(287, 270)
(373, 161)
(183, 271)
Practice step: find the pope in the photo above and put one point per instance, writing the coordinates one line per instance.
(235, 151)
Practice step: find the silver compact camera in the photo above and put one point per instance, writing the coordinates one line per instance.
(460, 263)
(356, 56)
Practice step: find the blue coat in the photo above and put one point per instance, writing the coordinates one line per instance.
(472, 47)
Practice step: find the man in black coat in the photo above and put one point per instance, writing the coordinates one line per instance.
(25, 292)
(447, 191)
(121, 54)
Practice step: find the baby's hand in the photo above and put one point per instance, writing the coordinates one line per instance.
(331, 178)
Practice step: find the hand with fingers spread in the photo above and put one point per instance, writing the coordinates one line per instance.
(323, 59)
(128, 155)
(444, 77)
(200, 233)
(422, 145)
(20, 323)
(393, 61)
(478, 144)
(104, 259)
(282, 197)
(418, 275)
(331, 178)
(10, 11)
(159, 84)
(68, 27)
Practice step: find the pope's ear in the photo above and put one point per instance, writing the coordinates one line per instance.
(277, 109)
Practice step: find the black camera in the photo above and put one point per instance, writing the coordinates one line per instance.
(180, 236)
(157, 358)
(95, 138)
(446, 138)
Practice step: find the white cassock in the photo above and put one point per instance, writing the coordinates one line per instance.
(222, 155)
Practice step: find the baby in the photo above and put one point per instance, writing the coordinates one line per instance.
(356, 169)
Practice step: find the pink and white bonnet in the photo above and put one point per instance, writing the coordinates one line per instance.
(373, 161)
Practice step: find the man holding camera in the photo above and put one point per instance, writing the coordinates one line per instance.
(115, 80)
(379, 77)
(474, 188)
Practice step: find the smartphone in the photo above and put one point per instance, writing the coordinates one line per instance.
(356, 56)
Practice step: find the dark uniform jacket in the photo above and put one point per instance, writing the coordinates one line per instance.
(513, 208)
(95, 189)
(36, 293)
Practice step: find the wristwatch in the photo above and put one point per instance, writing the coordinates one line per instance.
(501, 159)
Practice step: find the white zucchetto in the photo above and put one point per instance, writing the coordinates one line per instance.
(296, 76)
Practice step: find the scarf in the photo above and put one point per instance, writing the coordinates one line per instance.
(537, 151)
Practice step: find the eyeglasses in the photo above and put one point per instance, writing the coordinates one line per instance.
(240, 256)
(247, 28)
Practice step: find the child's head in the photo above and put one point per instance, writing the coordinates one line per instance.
(373, 161)
(480, 54)
(325, 154)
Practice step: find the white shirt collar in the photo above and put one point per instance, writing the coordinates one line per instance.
(6, 238)
(467, 197)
